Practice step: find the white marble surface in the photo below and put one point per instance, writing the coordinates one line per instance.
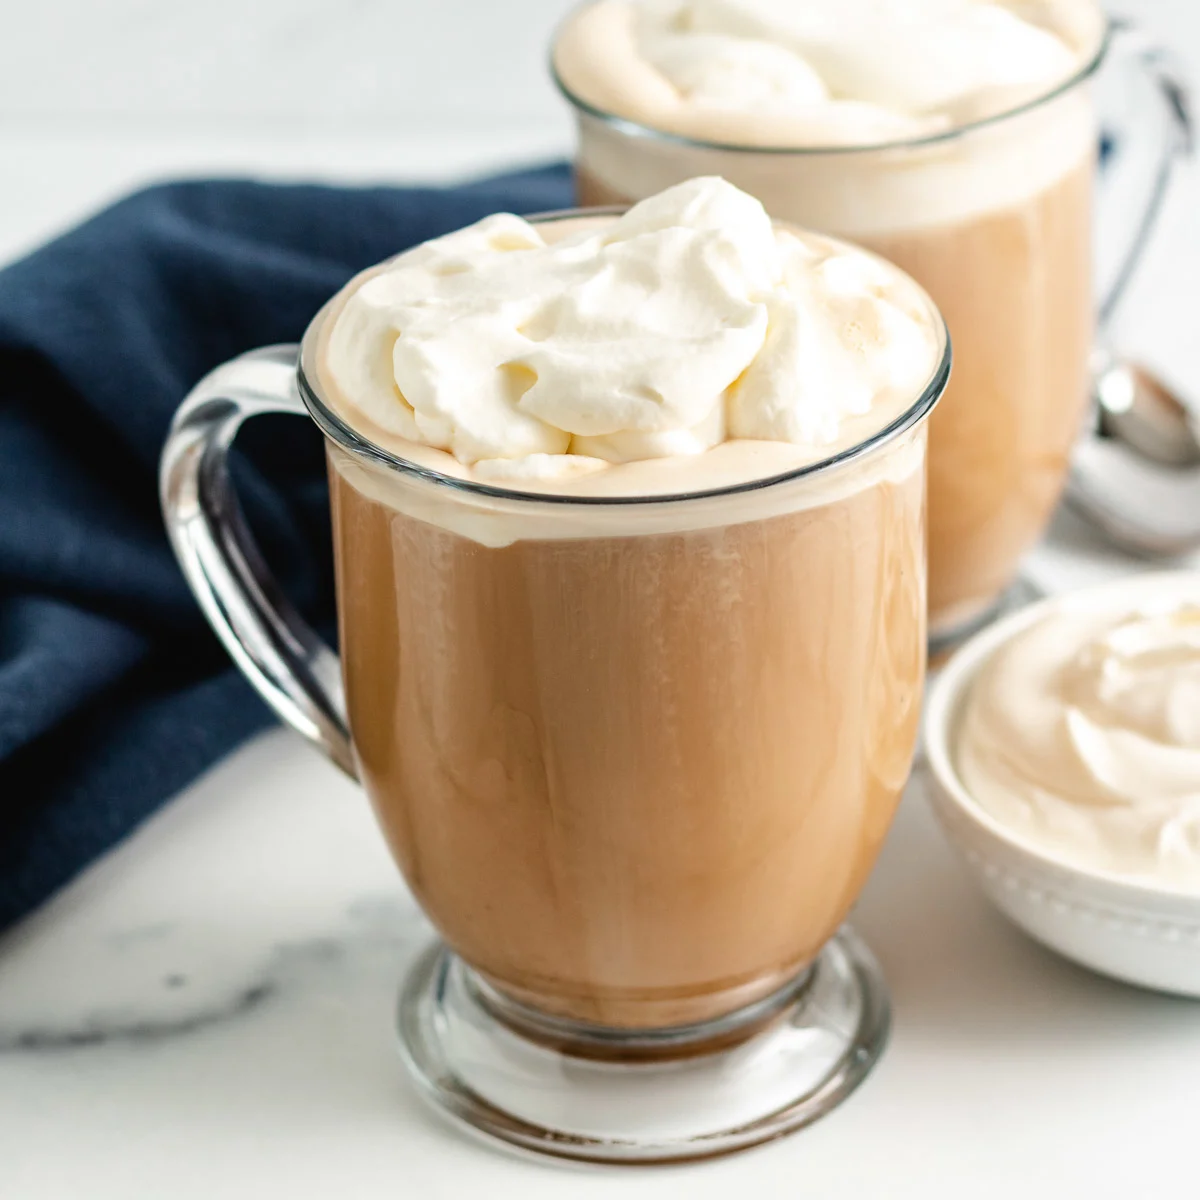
(207, 1013)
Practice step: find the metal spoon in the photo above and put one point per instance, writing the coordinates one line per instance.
(1137, 476)
(1136, 407)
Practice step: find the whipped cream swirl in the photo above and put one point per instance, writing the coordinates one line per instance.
(1083, 732)
(689, 321)
(813, 72)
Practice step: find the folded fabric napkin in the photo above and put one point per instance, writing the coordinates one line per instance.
(113, 692)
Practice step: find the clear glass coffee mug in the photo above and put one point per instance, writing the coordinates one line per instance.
(634, 756)
(994, 219)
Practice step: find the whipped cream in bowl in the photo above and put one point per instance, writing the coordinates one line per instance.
(1064, 751)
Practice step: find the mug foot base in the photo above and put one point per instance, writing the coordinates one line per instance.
(553, 1088)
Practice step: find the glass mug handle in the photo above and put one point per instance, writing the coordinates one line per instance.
(288, 664)
(1133, 45)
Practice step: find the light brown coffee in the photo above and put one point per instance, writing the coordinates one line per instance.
(638, 780)
(1015, 287)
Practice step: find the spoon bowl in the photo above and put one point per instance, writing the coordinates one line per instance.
(1137, 408)
(1136, 474)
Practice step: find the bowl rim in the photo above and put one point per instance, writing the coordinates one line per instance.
(947, 693)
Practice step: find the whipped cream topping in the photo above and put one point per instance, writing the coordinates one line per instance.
(500, 354)
(815, 72)
(1083, 733)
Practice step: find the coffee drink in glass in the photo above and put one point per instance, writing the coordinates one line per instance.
(629, 533)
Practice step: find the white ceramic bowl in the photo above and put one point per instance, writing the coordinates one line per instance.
(1126, 928)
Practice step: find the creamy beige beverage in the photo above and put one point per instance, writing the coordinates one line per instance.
(635, 753)
(946, 135)
(636, 780)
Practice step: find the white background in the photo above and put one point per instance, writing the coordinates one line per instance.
(1010, 1073)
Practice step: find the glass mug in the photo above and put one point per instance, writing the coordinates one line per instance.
(994, 220)
(634, 756)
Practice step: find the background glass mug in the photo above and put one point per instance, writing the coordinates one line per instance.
(994, 219)
(635, 758)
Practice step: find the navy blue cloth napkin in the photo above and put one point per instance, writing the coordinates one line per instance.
(113, 693)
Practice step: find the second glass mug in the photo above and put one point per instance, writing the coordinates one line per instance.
(1009, 263)
(634, 756)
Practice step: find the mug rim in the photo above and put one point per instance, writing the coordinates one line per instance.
(633, 128)
(339, 431)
